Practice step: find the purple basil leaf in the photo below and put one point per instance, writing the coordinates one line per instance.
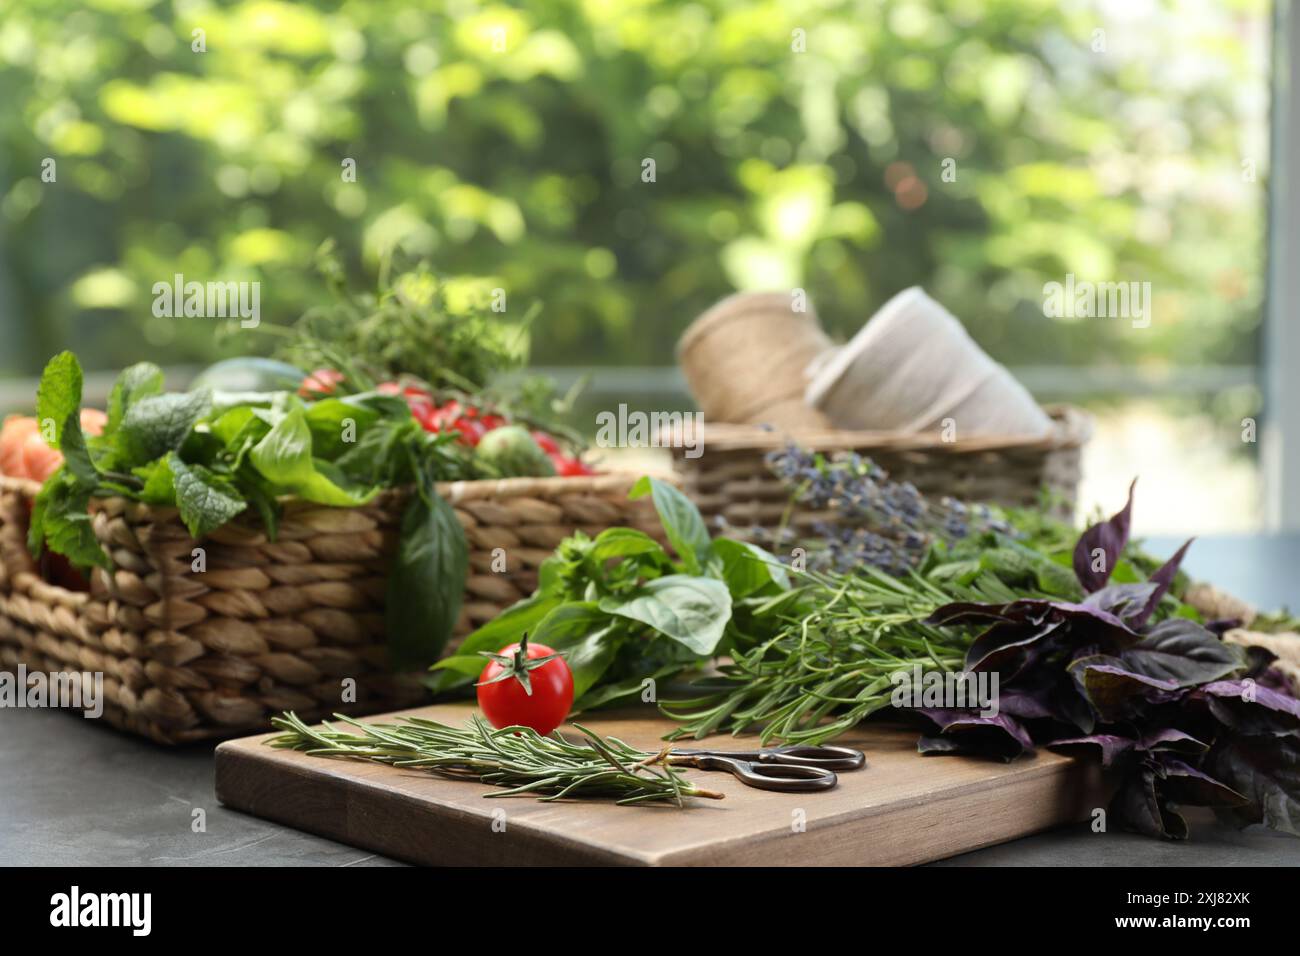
(1094, 624)
(969, 612)
(1266, 770)
(941, 745)
(1181, 651)
(1115, 692)
(1112, 746)
(1171, 738)
(1138, 807)
(999, 736)
(1258, 659)
(1252, 709)
(1027, 702)
(1124, 601)
(1185, 784)
(1006, 648)
(1110, 537)
(1163, 579)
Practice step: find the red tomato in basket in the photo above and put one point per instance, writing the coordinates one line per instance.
(539, 699)
(546, 442)
(569, 467)
(323, 381)
(93, 421)
(12, 437)
(39, 459)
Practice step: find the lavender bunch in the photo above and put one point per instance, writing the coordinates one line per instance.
(876, 521)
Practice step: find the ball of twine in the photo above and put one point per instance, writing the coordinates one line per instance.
(745, 360)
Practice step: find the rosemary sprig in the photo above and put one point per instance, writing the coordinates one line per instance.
(516, 758)
(830, 662)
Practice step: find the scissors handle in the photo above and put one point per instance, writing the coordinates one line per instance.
(804, 755)
(783, 777)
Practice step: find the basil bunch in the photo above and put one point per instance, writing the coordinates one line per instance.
(622, 609)
(213, 455)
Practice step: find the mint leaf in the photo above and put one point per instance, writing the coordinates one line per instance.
(139, 381)
(159, 486)
(60, 521)
(157, 424)
(206, 500)
(59, 395)
(76, 456)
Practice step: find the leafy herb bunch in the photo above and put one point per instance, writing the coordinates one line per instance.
(1132, 675)
(622, 609)
(215, 455)
(424, 329)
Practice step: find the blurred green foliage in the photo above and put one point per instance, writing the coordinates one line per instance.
(795, 142)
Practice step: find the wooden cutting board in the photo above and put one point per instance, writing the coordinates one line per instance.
(901, 809)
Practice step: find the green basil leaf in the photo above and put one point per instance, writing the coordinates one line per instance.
(692, 611)
(628, 687)
(231, 424)
(747, 568)
(506, 628)
(58, 396)
(682, 522)
(623, 543)
(206, 500)
(583, 633)
(588, 654)
(284, 458)
(426, 582)
(336, 424)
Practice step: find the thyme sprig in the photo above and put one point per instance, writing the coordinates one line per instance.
(516, 758)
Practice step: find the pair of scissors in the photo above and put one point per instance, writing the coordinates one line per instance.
(790, 769)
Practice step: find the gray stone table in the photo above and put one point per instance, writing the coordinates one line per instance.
(74, 792)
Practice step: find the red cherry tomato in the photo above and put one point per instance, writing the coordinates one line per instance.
(471, 430)
(93, 421)
(12, 437)
(323, 381)
(423, 410)
(492, 421)
(546, 442)
(515, 689)
(39, 459)
(567, 467)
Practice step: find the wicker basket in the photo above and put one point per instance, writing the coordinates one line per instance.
(269, 625)
(731, 479)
